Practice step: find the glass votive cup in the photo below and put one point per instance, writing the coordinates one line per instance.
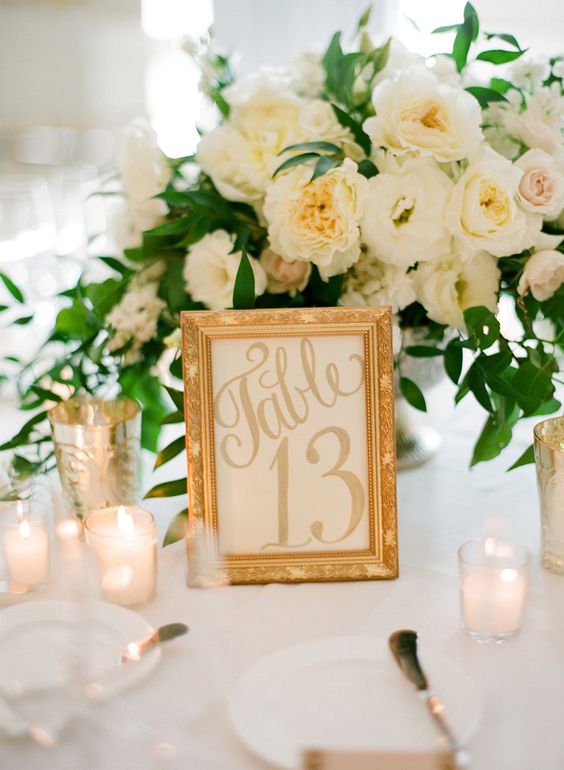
(124, 541)
(493, 580)
(24, 546)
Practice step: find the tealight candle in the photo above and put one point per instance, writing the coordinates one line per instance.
(124, 541)
(26, 550)
(493, 588)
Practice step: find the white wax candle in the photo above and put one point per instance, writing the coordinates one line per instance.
(493, 600)
(27, 553)
(126, 554)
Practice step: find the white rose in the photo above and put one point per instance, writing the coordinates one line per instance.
(241, 155)
(415, 112)
(372, 283)
(541, 189)
(284, 276)
(543, 275)
(211, 268)
(449, 285)
(317, 221)
(400, 58)
(541, 124)
(404, 213)
(484, 213)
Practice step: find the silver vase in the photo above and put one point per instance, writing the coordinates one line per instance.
(98, 451)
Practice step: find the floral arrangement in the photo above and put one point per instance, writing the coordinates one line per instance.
(355, 178)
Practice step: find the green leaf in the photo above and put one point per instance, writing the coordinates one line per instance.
(177, 528)
(22, 436)
(367, 168)
(23, 320)
(172, 450)
(461, 47)
(500, 386)
(360, 135)
(45, 395)
(177, 397)
(76, 322)
(453, 361)
(526, 458)
(364, 19)
(104, 296)
(296, 160)
(499, 56)
(423, 351)
(503, 36)
(482, 325)
(471, 18)
(549, 407)
(447, 28)
(534, 386)
(324, 293)
(168, 489)
(323, 165)
(340, 69)
(173, 286)
(501, 85)
(412, 394)
(379, 56)
(494, 437)
(485, 95)
(244, 290)
(116, 265)
(312, 147)
(476, 383)
(12, 288)
(173, 418)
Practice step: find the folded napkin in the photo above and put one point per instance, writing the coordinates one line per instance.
(347, 759)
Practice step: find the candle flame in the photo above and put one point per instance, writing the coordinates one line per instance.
(20, 510)
(25, 530)
(133, 651)
(125, 522)
(490, 546)
(508, 575)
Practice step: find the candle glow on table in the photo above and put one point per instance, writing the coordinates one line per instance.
(493, 588)
(124, 541)
(26, 549)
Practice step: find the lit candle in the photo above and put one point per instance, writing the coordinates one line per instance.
(125, 543)
(26, 548)
(493, 588)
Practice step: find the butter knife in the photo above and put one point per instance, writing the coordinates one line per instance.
(135, 650)
(403, 645)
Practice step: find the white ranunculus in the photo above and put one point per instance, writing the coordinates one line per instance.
(541, 189)
(284, 276)
(484, 213)
(371, 282)
(541, 123)
(449, 285)
(211, 268)
(317, 221)
(404, 216)
(241, 155)
(144, 173)
(543, 275)
(417, 113)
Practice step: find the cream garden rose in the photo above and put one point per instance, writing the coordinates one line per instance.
(372, 282)
(541, 189)
(211, 268)
(543, 275)
(241, 155)
(404, 217)
(317, 221)
(449, 285)
(284, 276)
(416, 113)
(484, 213)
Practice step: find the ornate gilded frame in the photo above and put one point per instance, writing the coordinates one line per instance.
(206, 565)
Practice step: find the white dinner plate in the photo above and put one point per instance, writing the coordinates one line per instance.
(346, 692)
(35, 637)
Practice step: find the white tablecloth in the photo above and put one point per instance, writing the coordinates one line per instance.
(177, 718)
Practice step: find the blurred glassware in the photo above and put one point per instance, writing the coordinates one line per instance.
(27, 226)
(549, 459)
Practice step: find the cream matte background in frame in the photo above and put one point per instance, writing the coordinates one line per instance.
(290, 439)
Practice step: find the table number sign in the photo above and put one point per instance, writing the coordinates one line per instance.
(290, 439)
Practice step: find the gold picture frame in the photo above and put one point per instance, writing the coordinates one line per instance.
(269, 484)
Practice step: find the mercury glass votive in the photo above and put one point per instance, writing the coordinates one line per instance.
(124, 541)
(98, 451)
(549, 460)
(24, 546)
(493, 577)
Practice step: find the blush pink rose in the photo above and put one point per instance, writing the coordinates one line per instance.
(543, 275)
(284, 276)
(541, 189)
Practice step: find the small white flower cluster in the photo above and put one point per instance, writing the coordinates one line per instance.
(133, 320)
